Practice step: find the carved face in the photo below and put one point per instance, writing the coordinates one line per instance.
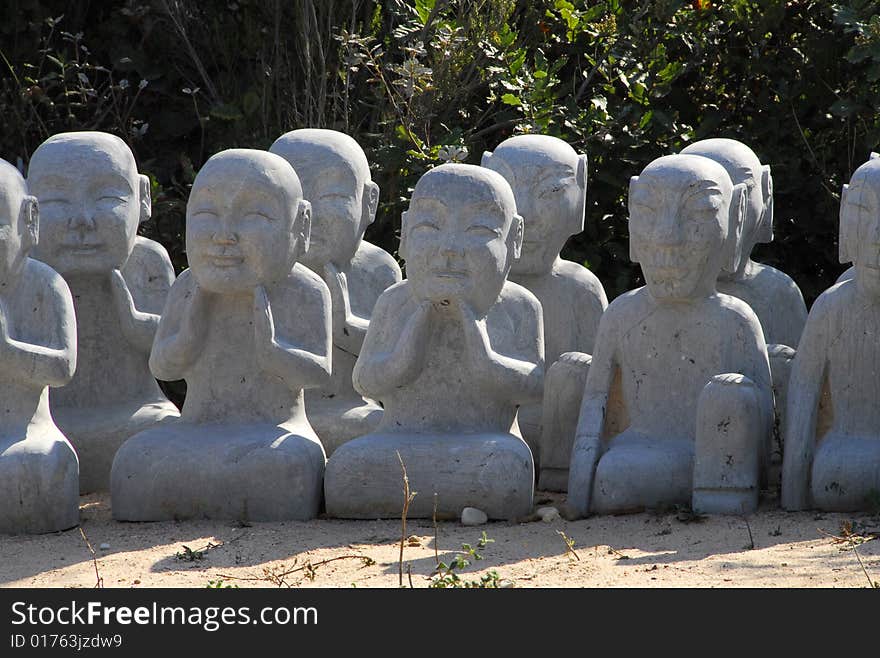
(17, 223)
(679, 217)
(336, 195)
(549, 183)
(461, 234)
(860, 211)
(91, 202)
(243, 227)
(335, 178)
(743, 166)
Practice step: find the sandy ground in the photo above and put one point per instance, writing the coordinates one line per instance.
(770, 549)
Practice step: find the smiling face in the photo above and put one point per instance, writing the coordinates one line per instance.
(549, 182)
(460, 235)
(91, 200)
(860, 226)
(335, 179)
(18, 222)
(679, 217)
(246, 221)
(743, 166)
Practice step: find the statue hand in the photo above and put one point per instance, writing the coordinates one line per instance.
(121, 294)
(4, 324)
(194, 322)
(264, 324)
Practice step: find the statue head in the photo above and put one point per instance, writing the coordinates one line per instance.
(743, 166)
(549, 182)
(91, 200)
(246, 221)
(335, 178)
(685, 217)
(19, 223)
(460, 235)
(860, 225)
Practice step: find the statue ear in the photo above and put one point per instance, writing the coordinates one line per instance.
(302, 228)
(581, 178)
(145, 201)
(30, 218)
(370, 204)
(484, 161)
(633, 250)
(765, 232)
(517, 232)
(739, 200)
(402, 248)
(848, 229)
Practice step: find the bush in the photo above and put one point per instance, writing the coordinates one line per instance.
(425, 81)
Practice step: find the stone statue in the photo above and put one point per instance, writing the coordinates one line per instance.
(678, 403)
(248, 328)
(39, 473)
(850, 272)
(92, 200)
(773, 295)
(335, 178)
(450, 352)
(549, 181)
(832, 440)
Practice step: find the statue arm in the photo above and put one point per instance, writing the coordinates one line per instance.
(181, 330)
(380, 368)
(802, 409)
(138, 327)
(300, 366)
(587, 446)
(349, 329)
(43, 365)
(522, 378)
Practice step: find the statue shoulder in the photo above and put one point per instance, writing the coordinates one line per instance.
(38, 277)
(376, 264)
(150, 258)
(519, 298)
(580, 284)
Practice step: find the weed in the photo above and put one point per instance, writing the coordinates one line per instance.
(447, 575)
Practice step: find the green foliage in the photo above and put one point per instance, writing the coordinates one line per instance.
(421, 82)
(446, 575)
(219, 584)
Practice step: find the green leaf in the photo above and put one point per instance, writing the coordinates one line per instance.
(510, 99)
(424, 9)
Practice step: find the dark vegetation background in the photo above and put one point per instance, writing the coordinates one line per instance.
(423, 81)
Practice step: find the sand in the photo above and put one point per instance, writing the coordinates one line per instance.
(771, 548)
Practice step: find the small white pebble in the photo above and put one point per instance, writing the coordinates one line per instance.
(548, 514)
(473, 516)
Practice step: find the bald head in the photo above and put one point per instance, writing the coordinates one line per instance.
(534, 150)
(743, 166)
(90, 150)
(246, 221)
(91, 200)
(860, 216)
(18, 222)
(460, 235)
(316, 149)
(11, 180)
(740, 162)
(685, 216)
(464, 183)
(549, 182)
(237, 169)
